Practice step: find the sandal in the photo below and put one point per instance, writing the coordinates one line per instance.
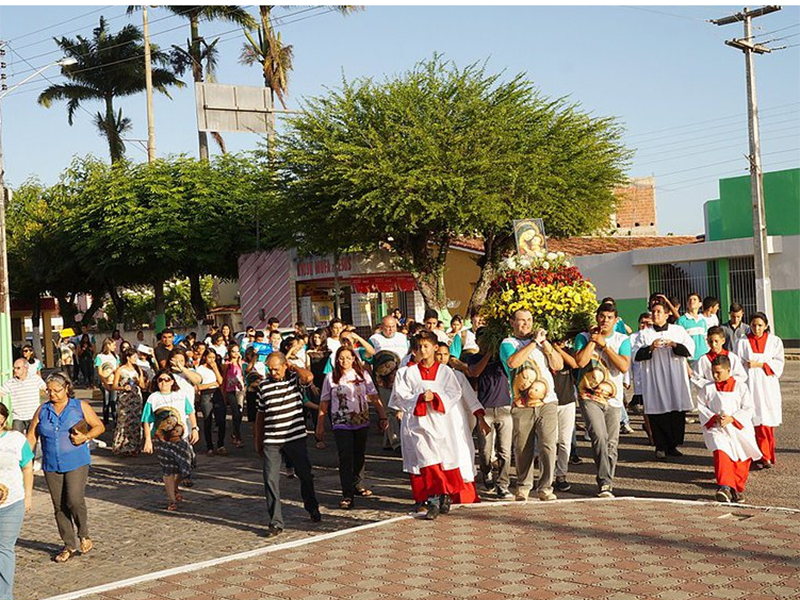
(178, 497)
(65, 555)
(346, 503)
(172, 506)
(363, 492)
(85, 545)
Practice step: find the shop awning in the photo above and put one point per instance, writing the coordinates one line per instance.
(390, 282)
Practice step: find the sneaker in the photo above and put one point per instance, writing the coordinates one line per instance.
(723, 494)
(290, 473)
(625, 428)
(503, 494)
(521, 497)
(605, 492)
(661, 455)
(316, 516)
(444, 503)
(222, 451)
(488, 481)
(272, 531)
(562, 485)
(575, 459)
(433, 511)
(674, 452)
(547, 496)
(210, 452)
(737, 497)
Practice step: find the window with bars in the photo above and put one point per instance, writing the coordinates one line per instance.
(742, 273)
(678, 280)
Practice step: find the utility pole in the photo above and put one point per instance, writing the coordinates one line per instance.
(158, 284)
(760, 250)
(148, 78)
(5, 297)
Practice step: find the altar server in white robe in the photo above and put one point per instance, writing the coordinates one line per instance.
(663, 350)
(726, 415)
(432, 433)
(762, 355)
(701, 375)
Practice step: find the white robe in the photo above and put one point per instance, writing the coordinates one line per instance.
(467, 407)
(739, 444)
(702, 376)
(765, 389)
(436, 438)
(665, 377)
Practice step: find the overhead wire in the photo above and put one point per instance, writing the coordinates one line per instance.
(59, 24)
(219, 35)
(80, 106)
(693, 124)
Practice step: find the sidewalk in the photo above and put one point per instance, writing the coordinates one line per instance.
(622, 549)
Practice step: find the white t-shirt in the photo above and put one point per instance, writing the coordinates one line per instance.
(711, 320)
(174, 400)
(397, 343)
(15, 453)
(207, 374)
(333, 345)
(221, 350)
(186, 387)
(25, 397)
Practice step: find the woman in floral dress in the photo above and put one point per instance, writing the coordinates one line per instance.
(129, 381)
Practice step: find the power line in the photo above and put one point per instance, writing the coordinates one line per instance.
(646, 133)
(220, 35)
(775, 31)
(80, 106)
(70, 32)
(661, 12)
(724, 162)
(672, 188)
(684, 155)
(713, 135)
(91, 12)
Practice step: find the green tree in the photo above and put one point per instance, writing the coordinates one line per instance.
(438, 152)
(108, 66)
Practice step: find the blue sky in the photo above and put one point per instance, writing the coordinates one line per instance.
(662, 70)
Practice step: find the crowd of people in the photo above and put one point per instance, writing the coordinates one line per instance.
(439, 395)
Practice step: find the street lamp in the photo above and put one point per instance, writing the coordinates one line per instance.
(5, 298)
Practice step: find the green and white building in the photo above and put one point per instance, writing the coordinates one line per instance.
(721, 265)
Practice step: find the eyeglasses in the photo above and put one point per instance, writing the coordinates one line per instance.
(164, 380)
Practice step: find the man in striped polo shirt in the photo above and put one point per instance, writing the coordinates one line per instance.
(24, 392)
(280, 426)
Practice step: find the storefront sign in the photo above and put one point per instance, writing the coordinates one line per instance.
(322, 267)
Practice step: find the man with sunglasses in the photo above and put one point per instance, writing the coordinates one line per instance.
(22, 395)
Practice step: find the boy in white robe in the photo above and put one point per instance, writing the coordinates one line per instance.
(762, 355)
(726, 414)
(433, 433)
(701, 375)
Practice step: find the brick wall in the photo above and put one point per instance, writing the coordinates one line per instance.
(636, 208)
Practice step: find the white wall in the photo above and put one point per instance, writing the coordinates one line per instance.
(785, 266)
(614, 275)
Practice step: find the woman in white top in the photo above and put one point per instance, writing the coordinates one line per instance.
(16, 490)
(105, 364)
(348, 391)
(212, 402)
(35, 365)
(170, 427)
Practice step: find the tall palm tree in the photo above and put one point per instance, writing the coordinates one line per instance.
(275, 59)
(198, 50)
(108, 66)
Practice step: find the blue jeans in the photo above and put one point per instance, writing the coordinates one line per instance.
(10, 525)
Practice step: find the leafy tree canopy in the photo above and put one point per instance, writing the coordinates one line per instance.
(437, 152)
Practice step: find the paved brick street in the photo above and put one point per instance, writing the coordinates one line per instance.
(620, 549)
(587, 549)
